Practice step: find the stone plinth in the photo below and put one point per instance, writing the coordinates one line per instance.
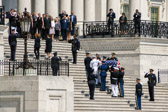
(36, 94)
(137, 55)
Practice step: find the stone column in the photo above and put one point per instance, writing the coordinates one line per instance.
(40, 6)
(78, 8)
(101, 10)
(166, 10)
(90, 10)
(24, 4)
(52, 7)
(115, 5)
(65, 5)
(0, 2)
(133, 5)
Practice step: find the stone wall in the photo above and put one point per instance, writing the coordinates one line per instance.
(137, 55)
(36, 94)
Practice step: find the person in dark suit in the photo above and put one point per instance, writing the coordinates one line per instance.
(43, 29)
(92, 82)
(47, 25)
(111, 15)
(73, 19)
(138, 94)
(137, 21)
(10, 16)
(63, 14)
(55, 64)
(34, 24)
(123, 22)
(40, 23)
(75, 48)
(87, 64)
(64, 27)
(12, 39)
(121, 82)
(151, 83)
(48, 49)
(37, 45)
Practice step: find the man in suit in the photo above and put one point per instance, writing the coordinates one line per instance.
(47, 25)
(13, 43)
(64, 27)
(75, 48)
(55, 64)
(34, 24)
(63, 14)
(87, 61)
(138, 94)
(40, 23)
(10, 16)
(73, 20)
(151, 83)
(137, 21)
(111, 15)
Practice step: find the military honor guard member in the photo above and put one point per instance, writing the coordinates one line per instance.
(91, 84)
(55, 64)
(75, 48)
(121, 81)
(138, 94)
(151, 83)
(103, 73)
(114, 81)
(87, 64)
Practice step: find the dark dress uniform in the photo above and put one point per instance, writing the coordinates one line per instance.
(137, 22)
(138, 95)
(37, 47)
(151, 83)
(13, 42)
(48, 45)
(121, 83)
(55, 65)
(75, 48)
(92, 83)
(87, 65)
(111, 17)
(103, 74)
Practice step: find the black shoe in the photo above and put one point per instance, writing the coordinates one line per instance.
(91, 98)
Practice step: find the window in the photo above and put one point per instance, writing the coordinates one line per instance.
(126, 10)
(155, 14)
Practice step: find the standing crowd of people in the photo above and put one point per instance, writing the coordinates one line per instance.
(44, 24)
(123, 22)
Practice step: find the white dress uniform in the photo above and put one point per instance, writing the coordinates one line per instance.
(94, 64)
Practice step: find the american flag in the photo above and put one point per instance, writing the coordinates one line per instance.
(111, 63)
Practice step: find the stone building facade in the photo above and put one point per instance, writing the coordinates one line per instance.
(93, 10)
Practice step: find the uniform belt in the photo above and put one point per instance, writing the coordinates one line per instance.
(114, 78)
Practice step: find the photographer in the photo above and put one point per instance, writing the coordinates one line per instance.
(111, 15)
(137, 21)
(151, 83)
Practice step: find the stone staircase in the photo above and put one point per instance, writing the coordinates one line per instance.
(103, 102)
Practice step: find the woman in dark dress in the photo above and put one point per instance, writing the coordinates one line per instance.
(92, 82)
(48, 49)
(123, 22)
(37, 45)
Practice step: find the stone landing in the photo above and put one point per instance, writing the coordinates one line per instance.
(137, 55)
(36, 94)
